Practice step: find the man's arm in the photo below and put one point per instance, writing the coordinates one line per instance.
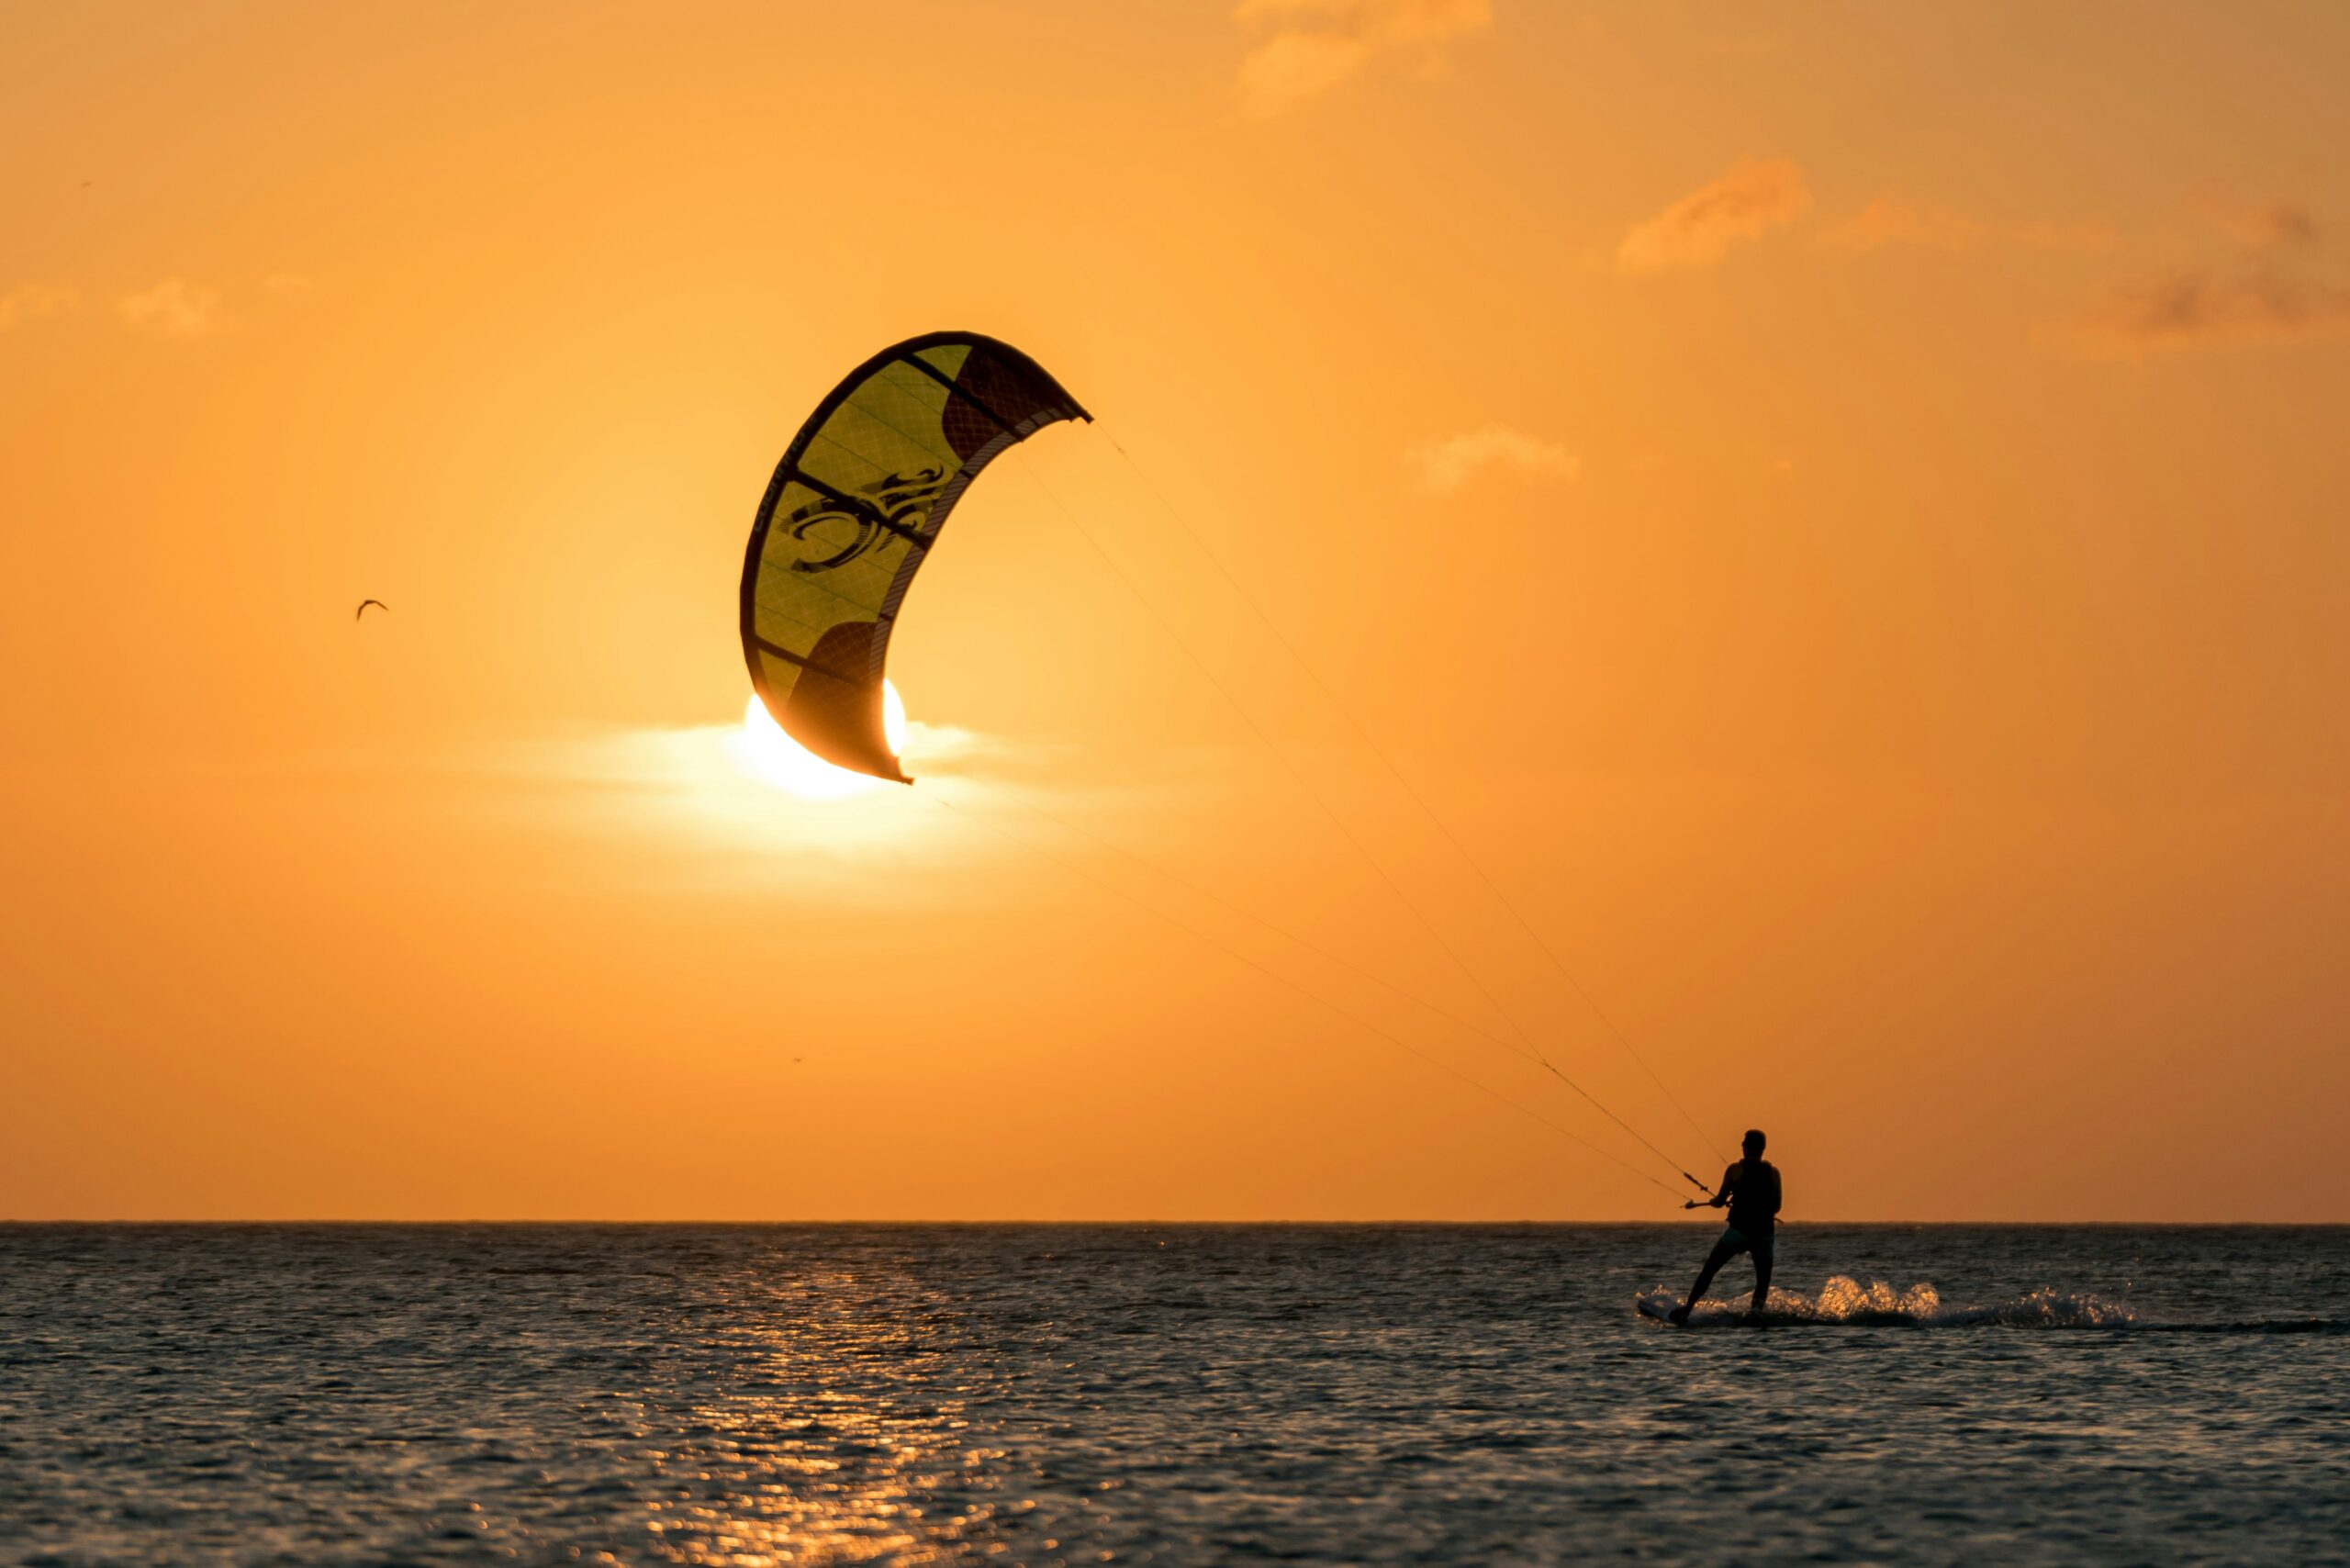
(1721, 1194)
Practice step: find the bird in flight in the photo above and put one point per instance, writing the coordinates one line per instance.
(365, 602)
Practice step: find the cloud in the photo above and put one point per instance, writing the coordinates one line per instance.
(1898, 221)
(1449, 465)
(2275, 227)
(2278, 285)
(2191, 306)
(1318, 44)
(1894, 220)
(28, 300)
(175, 307)
(1756, 196)
(716, 788)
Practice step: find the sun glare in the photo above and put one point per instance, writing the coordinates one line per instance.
(767, 754)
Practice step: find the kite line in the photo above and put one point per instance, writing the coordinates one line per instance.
(1352, 839)
(1351, 1016)
(1435, 819)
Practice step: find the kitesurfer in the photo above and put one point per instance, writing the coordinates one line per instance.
(1751, 1189)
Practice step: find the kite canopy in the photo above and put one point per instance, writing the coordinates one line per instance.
(852, 512)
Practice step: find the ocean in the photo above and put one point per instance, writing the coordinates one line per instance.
(1166, 1394)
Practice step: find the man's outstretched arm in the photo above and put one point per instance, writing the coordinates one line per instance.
(1721, 1194)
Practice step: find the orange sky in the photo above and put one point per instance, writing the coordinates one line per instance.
(1840, 508)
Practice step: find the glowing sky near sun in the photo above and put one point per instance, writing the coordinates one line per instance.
(762, 751)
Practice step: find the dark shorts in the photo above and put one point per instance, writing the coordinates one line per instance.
(1735, 1241)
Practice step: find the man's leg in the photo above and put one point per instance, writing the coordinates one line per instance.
(1761, 1251)
(1724, 1251)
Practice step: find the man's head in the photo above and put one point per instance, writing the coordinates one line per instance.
(1754, 1143)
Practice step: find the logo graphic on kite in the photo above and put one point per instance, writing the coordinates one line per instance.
(852, 512)
(899, 499)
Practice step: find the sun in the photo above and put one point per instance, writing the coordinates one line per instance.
(767, 754)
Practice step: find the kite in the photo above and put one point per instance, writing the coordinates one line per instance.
(851, 514)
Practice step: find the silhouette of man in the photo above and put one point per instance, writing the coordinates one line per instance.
(1751, 1188)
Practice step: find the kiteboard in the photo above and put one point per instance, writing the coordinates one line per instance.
(1659, 1307)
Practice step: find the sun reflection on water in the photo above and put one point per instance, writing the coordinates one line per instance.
(835, 1445)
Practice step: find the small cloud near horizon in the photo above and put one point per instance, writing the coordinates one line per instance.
(31, 299)
(174, 307)
(1448, 466)
(2278, 285)
(1754, 197)
(2196, 306)
(719, 785)
(1318, 44)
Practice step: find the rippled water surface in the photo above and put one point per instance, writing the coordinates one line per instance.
(1173, 1394)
